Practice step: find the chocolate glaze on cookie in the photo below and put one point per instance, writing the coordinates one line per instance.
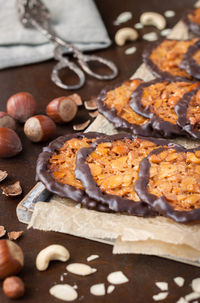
(113, 116)
(189, 63)
(179, 213)
(44, 174)
(115, 202)
(187, 19)
(160, 124)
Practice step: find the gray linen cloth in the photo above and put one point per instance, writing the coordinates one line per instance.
(76, 21)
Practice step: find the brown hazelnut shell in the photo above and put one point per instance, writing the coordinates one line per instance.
(7, 121)
(10, 143)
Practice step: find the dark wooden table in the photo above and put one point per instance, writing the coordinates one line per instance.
(143, 271)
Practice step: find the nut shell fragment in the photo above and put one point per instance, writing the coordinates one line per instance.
(3, 175)
(12, 189)
(14, 235)
(82, 126)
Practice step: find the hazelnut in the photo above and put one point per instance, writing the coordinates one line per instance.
(62, 109)
(7, 121)
(10, 143)
(21, 106)
(11, 258)
(13, 287)
(39, 128)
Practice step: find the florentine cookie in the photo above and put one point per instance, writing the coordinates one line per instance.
(156, 100)
(192, 20)
(191, 60)
(109, 169)
(164, 57)
(169, 182)
(113, 103)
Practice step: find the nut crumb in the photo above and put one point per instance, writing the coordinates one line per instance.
(81, 126)
(2, 231)
(117, 277)
(92, 257)
(80, 269)
(91, 104)
(122, 18)
(130, 50)
(75, 286)
(160, 296)
(12, 189)
(94, 114)
(98, 289)
(162, 285)
(3, 175)
(179, 281)
(196, 285)
(61, 278)
(110, 289)
(169, 14)
(14, 235)
(64, 292)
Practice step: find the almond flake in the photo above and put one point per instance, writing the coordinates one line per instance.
(3, 175)
(110, 289)
(165, 32)
(130, 50)
(80, 269)
(138, 25)
(192, 296)
(169, 14)
(160, 296)
(12, 189)
(92, 257)
(81, 126)
(2, 231)
(162, 285)
(98, 289)
(181, 300)
(122, 18)
(117, 277)
(91, 104)
(196, 285)
(152, 36)
(64, 292)
(94, 114)
(77, 99)
(14, 235)
(179, 281)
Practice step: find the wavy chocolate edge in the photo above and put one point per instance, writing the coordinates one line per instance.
(114, 202)
(153, 67)
(160, 204)
(189, 64)
(63, 190)
(165, 128)
(120, 123)
(192, 26)
(181, 110)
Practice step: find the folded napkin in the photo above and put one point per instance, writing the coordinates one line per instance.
(76, 21)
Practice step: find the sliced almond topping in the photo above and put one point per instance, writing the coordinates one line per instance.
(160, 296)
(80, 269)
(196, 285)
(179, 281)
(64, 292)
(77, 99)
(98, 289)
(81, 126)
(162, 285)
(92, 257)
(192, 296)
(169, 14)
(152, 36)
(91, 104)
(2, 231)
(117, 277)
(110, 289)
(3, 175)
(94, 114)
(12, 189)
(14, 235)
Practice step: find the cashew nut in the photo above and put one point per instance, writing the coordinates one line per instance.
(52, 252)
(152, 18)
(125, 34)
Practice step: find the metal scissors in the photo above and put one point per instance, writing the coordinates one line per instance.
(33, 13)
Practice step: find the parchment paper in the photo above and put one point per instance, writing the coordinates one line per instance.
(128, 234)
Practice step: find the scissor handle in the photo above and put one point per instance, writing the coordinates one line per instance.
(63, 63)
(84, 59)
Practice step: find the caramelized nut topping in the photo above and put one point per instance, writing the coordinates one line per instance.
(176, 176)
(62, 162)
(162, 97)
(168, 55)
(119, 98)
(193, 110)
(115, 165)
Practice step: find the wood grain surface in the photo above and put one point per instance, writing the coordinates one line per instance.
(142, 271)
